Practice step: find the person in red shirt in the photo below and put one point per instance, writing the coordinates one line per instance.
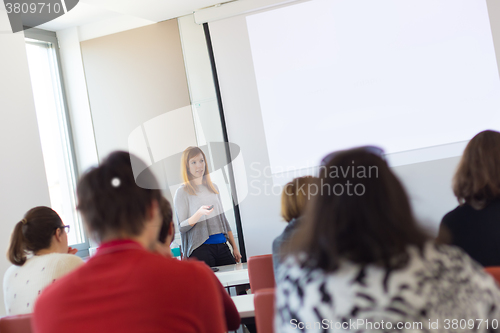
(125, 287)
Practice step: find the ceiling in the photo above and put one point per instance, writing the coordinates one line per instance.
(91, 11)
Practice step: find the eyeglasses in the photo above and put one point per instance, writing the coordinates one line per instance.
(369, 149)
(64, 227)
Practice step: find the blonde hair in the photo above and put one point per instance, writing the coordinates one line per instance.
(295, 197)
(187, 177)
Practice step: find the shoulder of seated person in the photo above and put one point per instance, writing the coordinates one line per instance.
(61, 261)
(455, 213)
(50, 257)
(444, 249)
(12, 269)
(449, 254)
(62, 256)
(193, 268)
(71, 258)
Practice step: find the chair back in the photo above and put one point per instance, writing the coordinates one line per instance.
(260, 272)
(264, 310)
(16, 324)
(494, 271)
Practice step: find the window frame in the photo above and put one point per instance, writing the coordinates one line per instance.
(51, 37)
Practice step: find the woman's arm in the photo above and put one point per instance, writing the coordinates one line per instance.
(190, 222)
(181, 207)
(236, 252)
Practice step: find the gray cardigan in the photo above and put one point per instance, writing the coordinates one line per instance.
(186, 205)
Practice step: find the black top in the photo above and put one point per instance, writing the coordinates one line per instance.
(475, 231)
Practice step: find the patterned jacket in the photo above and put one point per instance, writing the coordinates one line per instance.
(440, 290)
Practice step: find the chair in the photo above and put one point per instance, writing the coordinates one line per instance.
(260, 272)
(264, 310)
(494, 271)
(16, 324)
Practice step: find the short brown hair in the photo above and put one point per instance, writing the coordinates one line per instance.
(374, 227)
(33, 233)
(477, 179)
(295, 196)
(166, 214)
(110, 200)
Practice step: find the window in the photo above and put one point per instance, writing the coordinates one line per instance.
(55, 132)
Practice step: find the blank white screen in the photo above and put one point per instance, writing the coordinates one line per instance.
(402, 75)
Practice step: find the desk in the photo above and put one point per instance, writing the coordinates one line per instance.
(233, 275)
(245, 306)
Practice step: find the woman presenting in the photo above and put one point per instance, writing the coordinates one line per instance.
(202, 222)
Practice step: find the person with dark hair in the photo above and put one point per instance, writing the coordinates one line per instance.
(361, 263)
(294, 198)
(125, 287)
(167, 231)
(475, 224)
(39, 254)
(166, 237)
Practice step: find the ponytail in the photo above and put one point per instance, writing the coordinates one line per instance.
(33, 233)
(17, 247)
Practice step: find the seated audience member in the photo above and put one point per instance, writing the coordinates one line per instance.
(125, 287)
(40, 255)
(166, 236)
(296, 194)
(167, 230)
(475, 224)
(360, 257)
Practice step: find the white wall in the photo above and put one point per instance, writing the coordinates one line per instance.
(204, 104)
(77, 98)
(111, 26)
(200, 80)
(429, 188)
(428, 182)
(22, 172)
(139, 99)
(132, 77)
(260, 210)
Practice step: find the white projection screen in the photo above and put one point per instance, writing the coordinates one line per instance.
(418, 78)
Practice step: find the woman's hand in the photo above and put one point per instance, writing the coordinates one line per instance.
(204, 210)
(237, 255)
(72, 250)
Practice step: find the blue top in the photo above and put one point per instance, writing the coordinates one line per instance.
(216, 239)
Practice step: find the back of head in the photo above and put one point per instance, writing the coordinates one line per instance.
(166, 214)
(111, 202)
(362, 214)
(296, 195)
(477, 180)
(33, 233)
